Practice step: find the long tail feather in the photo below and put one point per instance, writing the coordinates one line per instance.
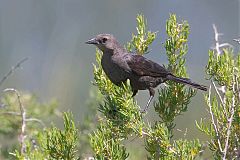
(187, 82)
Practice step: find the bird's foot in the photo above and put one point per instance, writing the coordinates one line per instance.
(148, 103)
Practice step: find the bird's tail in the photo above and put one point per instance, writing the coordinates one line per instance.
(186, 81)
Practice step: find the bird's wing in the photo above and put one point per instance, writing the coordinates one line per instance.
(144, 67)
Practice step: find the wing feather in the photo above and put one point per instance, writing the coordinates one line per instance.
(144, 67)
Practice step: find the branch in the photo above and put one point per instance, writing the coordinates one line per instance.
(229, 130)
(230, 122)
(225, 44)
(23, 115)
(27, 119)
(237, 40)
(217, 43)
(223, 104)
(11, 113)
(216, 37)
(213, 121)
(35, 120)
(12, 70)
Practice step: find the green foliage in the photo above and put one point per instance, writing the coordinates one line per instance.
(159, 146)
(174, 98)
(158, 141)
(106, 143)
(10, 113)
(53, 143)
(32, 152)
(187, 149)
(221, 67)
(88, 124)
(172, 101)
(10, 117)
(40, 142)
(121, 117)
(143, 39)
(21, 117)
(223, 105)
(119, 106)
(61, 144)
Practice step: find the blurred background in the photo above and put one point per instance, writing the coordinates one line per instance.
(52, 34)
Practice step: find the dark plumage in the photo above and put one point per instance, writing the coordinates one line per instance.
(144, 74)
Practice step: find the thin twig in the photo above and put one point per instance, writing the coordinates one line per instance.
(228, 132)
(217, 43)
(12, 70)
(220, 97)
(225, 44)
(237, 40)
(35, 120)
(232, 109)
(213, 120)
(11, 113)
(27, 119)
(23, 116)
(216, 37)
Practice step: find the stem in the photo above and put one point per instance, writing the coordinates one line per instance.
(213, 120)
(12, 70)
(22, 135)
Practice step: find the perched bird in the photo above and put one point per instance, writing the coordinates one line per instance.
(120, 65)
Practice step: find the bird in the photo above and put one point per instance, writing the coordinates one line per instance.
(144, 74)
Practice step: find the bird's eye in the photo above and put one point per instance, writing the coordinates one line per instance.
(104, 40)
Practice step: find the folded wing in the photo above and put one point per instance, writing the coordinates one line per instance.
(141, 66)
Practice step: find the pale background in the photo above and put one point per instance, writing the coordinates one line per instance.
(52, 34)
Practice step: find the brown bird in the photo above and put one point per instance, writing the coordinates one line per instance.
(120, 65)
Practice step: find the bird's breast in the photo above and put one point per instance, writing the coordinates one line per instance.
(113, 70)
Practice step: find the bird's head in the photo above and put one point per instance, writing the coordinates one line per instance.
(105, 42)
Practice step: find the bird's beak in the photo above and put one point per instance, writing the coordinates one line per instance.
(92, 41)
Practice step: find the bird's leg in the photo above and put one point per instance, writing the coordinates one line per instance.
(134, 93)
(151, 92)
